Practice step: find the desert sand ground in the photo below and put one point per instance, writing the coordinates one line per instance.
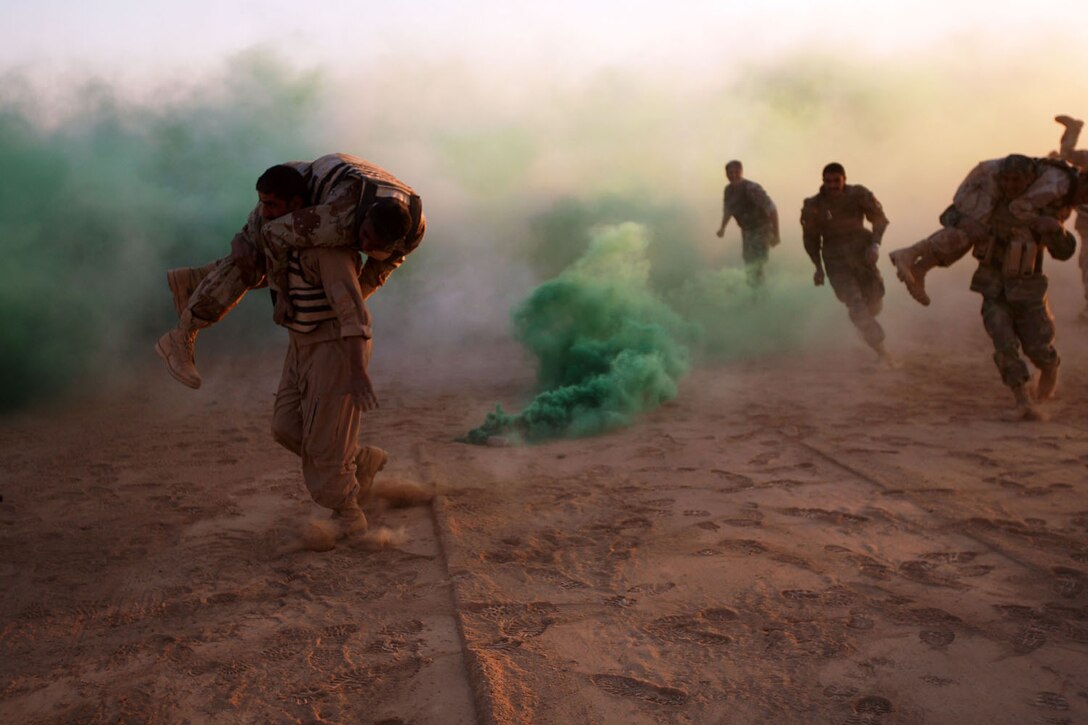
(797, 539)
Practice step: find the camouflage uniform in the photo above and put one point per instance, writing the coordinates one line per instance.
(1015, 310)
(749, 204)
(833, 227)
(965, 223)
(340, 185)
(978, 195)
(315, 416)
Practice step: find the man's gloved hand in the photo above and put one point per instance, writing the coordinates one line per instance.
(818, 278)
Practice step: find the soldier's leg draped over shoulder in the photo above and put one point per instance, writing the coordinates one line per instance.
(218, 292)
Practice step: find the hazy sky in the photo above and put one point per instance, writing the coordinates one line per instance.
(500, 113)
(138, 39)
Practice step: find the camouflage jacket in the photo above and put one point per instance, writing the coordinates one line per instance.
(834, 225)
(341, 186)
(1048, 194)
(748, 203)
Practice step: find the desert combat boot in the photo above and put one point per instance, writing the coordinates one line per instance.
(1048, 383)
(368, 462)
(177, 349)
(911, 264)
(350, 520)
(183, 280)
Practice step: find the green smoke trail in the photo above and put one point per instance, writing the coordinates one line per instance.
(561, 235)
(608, 347)
(96, 205)
(738, 321)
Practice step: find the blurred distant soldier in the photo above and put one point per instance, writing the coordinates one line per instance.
(836, 239)
(756, 215)
(1079, 158)
(1007, 211)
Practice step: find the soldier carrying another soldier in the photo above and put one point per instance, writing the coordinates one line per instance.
(303, 239)
(1007, 212)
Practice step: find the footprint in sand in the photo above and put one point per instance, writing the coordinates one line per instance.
(937, 638)
(1068, 583)
(630, 687)
(1050, 701)
(872, 707)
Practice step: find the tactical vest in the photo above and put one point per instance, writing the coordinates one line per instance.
(311, 304)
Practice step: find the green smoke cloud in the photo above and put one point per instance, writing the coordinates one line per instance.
(611, 344)
(561, 235)
(96, 204)
(608, 347)
(738, 321)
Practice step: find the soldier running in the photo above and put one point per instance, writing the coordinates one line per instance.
(756, 215)
(837, 240)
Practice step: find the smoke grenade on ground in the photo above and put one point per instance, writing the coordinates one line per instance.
(608, 348)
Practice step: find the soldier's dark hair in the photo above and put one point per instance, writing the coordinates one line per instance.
(1017, 164)
(283, 181)
(734, 164)
(834, 168)
(391, 219)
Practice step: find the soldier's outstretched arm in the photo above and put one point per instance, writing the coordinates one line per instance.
(727, 213)
(812, 239)
(813, 242)
(376, 271)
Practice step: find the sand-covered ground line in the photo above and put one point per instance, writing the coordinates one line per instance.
(796, 538)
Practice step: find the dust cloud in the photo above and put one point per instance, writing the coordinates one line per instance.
(104, 191)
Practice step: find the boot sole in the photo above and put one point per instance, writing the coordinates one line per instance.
(161, 352)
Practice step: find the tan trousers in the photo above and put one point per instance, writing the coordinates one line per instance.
(315, 418)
